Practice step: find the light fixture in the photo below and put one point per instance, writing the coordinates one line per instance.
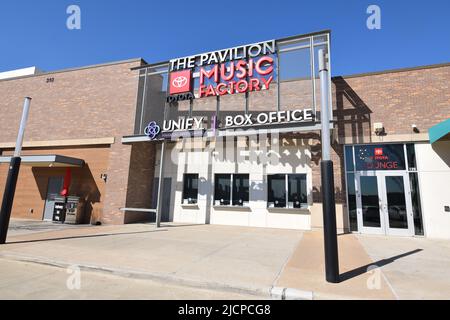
(379, 128)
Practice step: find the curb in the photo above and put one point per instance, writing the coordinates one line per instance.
(142, 275)
(279, 293)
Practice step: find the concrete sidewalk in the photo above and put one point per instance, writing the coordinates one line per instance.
(242, 261)
(416, 268)
(306, 269)
(237, 259)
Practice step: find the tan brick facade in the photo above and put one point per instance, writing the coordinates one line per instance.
(397, 99)
(100, 102)
(87, 103)
(32, 183)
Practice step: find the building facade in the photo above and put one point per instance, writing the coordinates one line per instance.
(234, 136)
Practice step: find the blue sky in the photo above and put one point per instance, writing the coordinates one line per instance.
(413, 33)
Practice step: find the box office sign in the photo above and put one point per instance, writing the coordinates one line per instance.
(237, 121)
(236, 70)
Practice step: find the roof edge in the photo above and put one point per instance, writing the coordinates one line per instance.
(364, 74)
(79, 68)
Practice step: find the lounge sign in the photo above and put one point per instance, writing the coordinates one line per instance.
(229, 71)
(380, 157)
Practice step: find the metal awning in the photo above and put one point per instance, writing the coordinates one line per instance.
(51, 161)
(440, 131)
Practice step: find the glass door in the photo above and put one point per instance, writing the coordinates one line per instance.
(397, 205)
(384, 203)
(369, 204)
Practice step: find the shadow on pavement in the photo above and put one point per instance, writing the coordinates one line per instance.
(85, 236)
(361, 270)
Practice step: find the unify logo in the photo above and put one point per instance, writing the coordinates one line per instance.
(180, 82)
(152, 130)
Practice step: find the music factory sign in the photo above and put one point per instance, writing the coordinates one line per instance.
(236, 70)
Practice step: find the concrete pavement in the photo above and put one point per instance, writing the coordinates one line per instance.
(306, 268)
(211, 261)
(416, 268)
(234, 259)
(22, 280)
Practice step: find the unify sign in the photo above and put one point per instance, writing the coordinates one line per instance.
(242, 120)
(236, 70)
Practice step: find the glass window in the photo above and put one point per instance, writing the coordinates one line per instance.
(352, 202)
(190, 189)
(222, 192)
(417, 209)
(276, 191)
(153, 100)
(349, 166)
(291, 195)
(296, 88)
(411, 154)
(240, 189)
(222, 189)
(297, 193)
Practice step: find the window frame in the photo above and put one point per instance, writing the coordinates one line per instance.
(303, 205)
(232, 180)
(183, 199)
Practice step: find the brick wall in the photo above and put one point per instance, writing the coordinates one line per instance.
(32, 185)
(397, 99)
(92, 102)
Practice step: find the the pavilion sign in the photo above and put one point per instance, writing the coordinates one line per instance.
(236, 70)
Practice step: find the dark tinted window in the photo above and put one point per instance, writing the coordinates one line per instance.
(240, 189)
(297, 192)
(411, 154)
(417, 209)
(276, 185)
(349, 166)
(352, 202)
(222, 189)
(190, 189)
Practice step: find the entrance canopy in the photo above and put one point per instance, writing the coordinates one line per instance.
(440, 131)
(52, 161)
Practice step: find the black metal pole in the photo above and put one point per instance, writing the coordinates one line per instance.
(8, 197)
(329, 223)
(328, 198)
(13, 173)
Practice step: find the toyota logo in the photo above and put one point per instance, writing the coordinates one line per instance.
(152, 130)
(179, 82)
